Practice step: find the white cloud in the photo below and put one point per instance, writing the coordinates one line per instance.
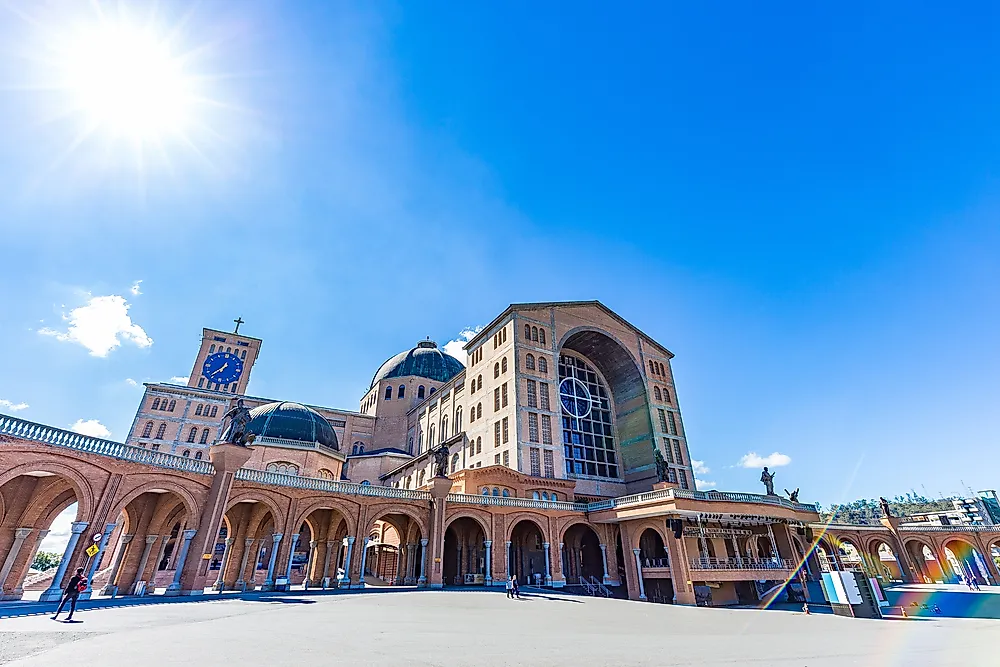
(700, 467)
(58, 535)
(454, 347)
(130, 382)
(12, 406)
(101, 326)
(135, 288)
(774, 460)
(180, 379)
(704, 485)
(90, 427)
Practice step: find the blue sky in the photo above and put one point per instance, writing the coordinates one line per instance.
(800, 202)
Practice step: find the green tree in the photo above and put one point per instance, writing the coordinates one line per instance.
(46, 560)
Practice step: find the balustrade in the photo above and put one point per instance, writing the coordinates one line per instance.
(741, 564)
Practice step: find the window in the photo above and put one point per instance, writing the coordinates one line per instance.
(496, 461)
(496, 400)
(472, 414)
(503, 365)
(529, 362)
(541, 336)
(669, 452)
(533, 427)
(201, 382)
(410, 449)
(160, 430)
(420, 391)
(683, 478)
(486, 491)
(505, 431)
(458, 420)
(472, 386)
(430, 438)
(433, 389)
(496, 491)
(479, 411)
(215, 410)
(652, 369)
(503, 395)
(550, 468)
(656, 393)
(283, 468)
(156, 404)
(173, 404)
(325, 473)
(505, 493)
(545, 495)
(546, 430)
(503, 335)
(663, 420)
(243, 354)
(527, 332)
(536, 470)
(444, 428)
(544, 395)
(479, 382)
(472, 447)
(197, 411)
(587, 425)
(204, 437)
(211, 348)
(496, 340)
(535, 496)
(496, 434)
(496, 370)
(388, 393)
(420, 478)
(197, 456)
(672, 475)
(454, 463)
(506, 462)
(479, 445)
(192, 434)
(666, 394)
(155, 447)
(401, 392)
(534, 334)
(187, 453)
(543, 365)
(532, 394)
(673, 424)
(147, 430)
(662, 371)
(679, 451)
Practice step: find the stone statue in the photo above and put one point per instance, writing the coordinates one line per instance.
(235, 429)
(768, 479)
(441, 462)
(886, 512)
(793, 496)
(661, 465)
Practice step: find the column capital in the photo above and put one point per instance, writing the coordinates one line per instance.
(295, 538)
(350, 539)
(42, 534)
(189, 534)
(509, 543)
(545, 545)
(79, 526)
(635, 551)
(150, 539)
(248, 542)
(21, 533)
(229, 541)
(127, 538)
(561, 545)
(276, 537)
(488, 543)
(604, 547)
(424, 542)
(312, 544)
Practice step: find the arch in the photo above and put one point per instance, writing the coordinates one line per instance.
(347, 510)
(527, 550)
(267, 498)
(420, 391)
(401, 392)
(388, 393)
(379, 512)
(529, 362)
(464, 552)
(478, 517)
(538, 519)
(143, 482)
(81, 485)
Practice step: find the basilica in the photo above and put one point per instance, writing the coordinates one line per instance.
(554, 453)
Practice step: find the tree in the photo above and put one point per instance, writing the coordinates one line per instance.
(46, 560)
(868, 511)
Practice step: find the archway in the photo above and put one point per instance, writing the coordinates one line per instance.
(395, 550)
(929, 569)
(527, 553)
(883, 557)
(652, 552)
(582, 558)
(464, 557)
(253, 522)
(966, 561)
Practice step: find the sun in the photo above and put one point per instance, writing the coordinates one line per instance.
(126, 80)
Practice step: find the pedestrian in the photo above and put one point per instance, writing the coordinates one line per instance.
(510, 587)
(77, 584)
(517, 589)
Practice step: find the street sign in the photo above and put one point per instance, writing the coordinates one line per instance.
(97, 537)
(92, 550)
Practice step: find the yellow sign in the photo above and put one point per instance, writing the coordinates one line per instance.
(92, 550)
(206, 556)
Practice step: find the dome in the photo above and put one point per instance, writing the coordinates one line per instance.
(425, 360)
(292, 421)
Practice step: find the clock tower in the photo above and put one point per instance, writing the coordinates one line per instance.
(224, 361)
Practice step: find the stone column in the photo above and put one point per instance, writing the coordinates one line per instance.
(220, 584)
(112, 587)
(489, 562)
(604, 562)
(159, 559)
(150, 541)
(422, 579)
(241, 583)
(439, 489)
(398, 579)
(54, 591)
(347, 561)
(269, 580)
(548, 573)
(364, 560)
(680, 572)
(18, 592)
(506, 561)
(291, 555)
(310, 564)
(326, 561)
(638, 569)
(20, 535)
(175, 586)
(96, 560)
(411, 564)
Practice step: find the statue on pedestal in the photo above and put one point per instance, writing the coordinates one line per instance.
(661, 465)
(793, 496)
(768, 479)
(235, 426)
(441, 462)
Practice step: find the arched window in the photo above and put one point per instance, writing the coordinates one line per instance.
(430, 438)
(479, 382)
(154, 447)
(243, 354)
(444, 428)
(402, 391)
(662, 370)
(479, 445)
(505, 493)
(496, 491)
(656, 393)
(229, 350)
(534, 334)
(529, 362)
(211, 348)
(585, 403)
(527, 332)
(192, 434)
(354, 449)
(197, 411)
(534, 495)
(156, 404)
(204, 437)
(541, 336)
(160, 430)
(652, 369)
(543, 365)
(666, 394)
(388, 393)
(420, 440)
(215, 410)
(496, 370)
(433, 389)
(283, 468)
(147, 430)
(173, 404)
(454, 463)
(420, 478)
(545, 496)
(359, 448)
(486, 491)
(479, 411)
(420, 391)
(410, 450)
(503, 365)
(197, 456)
(458, 420)
(325, 473)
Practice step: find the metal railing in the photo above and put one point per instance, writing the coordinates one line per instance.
(720, 496)
(528, 503)
(654, 562)
(330, 485)
(58, 437)
(295, 444)
(741, 564)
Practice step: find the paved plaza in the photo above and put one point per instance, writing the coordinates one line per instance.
(480, 628)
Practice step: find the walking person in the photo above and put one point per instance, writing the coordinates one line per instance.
(510, 587)
(517, 590)
(77, 584)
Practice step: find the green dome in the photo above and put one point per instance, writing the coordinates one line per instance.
(425, 360)
(292, 421)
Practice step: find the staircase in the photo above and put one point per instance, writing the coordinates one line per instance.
(595, 588)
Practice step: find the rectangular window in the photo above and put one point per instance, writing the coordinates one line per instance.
(663, 420)
(506, 459)
(671, 475)
(532, 394)
(503, 394)
(535, 463)
(505, 431)
(496, 399)
(533, 427)
(680, 451)
(544, 395)
(496, 434)
(669, 452)
(550, 469)
(683, 478)
(496, 459)
(546, 430)
(673, 424)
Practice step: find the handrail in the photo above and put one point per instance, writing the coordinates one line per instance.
(58, 437)
(501, 501)
(720, 496)
(333, 486)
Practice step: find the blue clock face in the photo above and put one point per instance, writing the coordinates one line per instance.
(222, 367)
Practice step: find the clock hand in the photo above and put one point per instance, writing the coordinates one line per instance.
(221, 369)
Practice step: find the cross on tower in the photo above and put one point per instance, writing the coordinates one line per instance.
(239, 321)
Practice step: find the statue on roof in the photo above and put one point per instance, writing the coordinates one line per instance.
(768, 479)
(441, 461)
(886, 511)
(793, 496)
(234, 428)
(661, 465)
